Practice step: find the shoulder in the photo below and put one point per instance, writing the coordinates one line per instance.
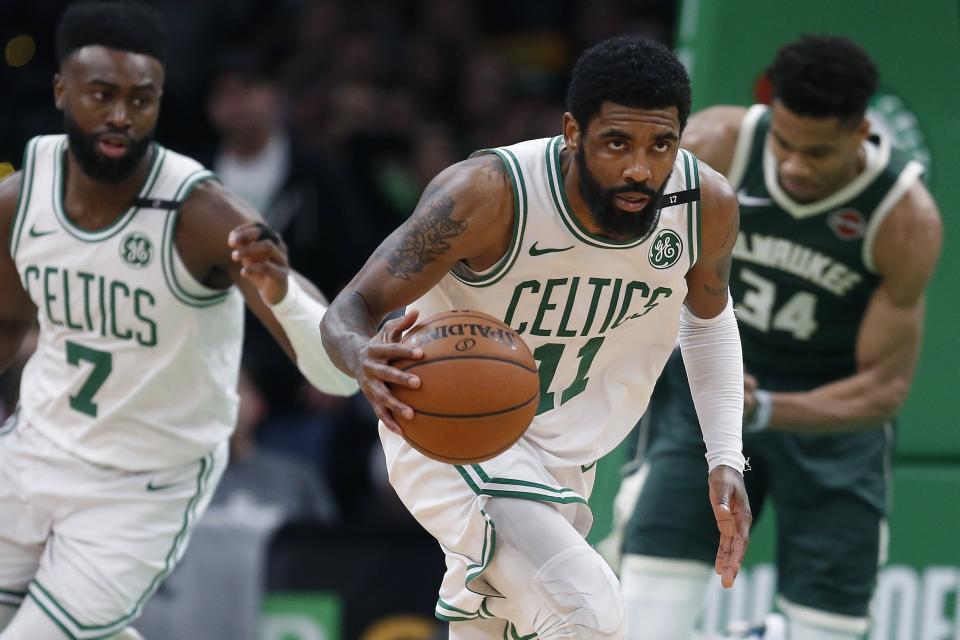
(717, 197)
(711, 134)
(908, 241)
(480, 187)
(212, 203)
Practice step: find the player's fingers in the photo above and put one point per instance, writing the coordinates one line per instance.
(391, 375)
(388, 421)
(379, 395)
(394, 329)
(259, 250)
(263, 269)
(243, 234)
(749, 382)
(723, 554)
(744, 520)
(390, 351)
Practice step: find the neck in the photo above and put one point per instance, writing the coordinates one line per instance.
(95, 204)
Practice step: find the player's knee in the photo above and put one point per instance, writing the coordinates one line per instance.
(582, 595)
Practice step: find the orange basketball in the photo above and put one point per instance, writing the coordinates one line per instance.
(479, 388)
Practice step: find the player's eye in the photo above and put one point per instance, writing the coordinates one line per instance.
(661, 146)
(616, 145)
(99, 96)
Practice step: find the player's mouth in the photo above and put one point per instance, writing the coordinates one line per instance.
(632, 202)
(112, 145)
(799, 190)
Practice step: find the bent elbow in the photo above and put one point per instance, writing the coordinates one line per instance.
(891, 398)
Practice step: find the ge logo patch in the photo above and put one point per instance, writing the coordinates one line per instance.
(136, 250)
(665, 249)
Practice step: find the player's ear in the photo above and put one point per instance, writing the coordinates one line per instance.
(58, 91)
(571, 131)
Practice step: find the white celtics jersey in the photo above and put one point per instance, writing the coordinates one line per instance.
(136, 364)
(600, 316)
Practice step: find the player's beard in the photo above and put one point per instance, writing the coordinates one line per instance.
(102, 169)
(613, 222)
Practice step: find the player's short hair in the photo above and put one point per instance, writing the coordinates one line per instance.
(824, 76)
(631, 71)
(125, 25)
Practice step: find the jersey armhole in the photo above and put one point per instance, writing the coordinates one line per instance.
(23, 197)
(180, 281)
(494, 273)
(691, 168)
(744, 147)
(907, 178)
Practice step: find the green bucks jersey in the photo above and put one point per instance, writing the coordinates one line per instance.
(600, 316)
(136, 363)
(803, 273)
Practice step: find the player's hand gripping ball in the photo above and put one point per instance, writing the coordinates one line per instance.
(479, 388)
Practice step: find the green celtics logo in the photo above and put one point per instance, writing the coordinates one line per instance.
(665, 249)
(890, 115)
(136, 250)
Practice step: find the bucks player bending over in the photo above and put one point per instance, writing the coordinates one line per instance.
(119, 248)
(590, 245)
(838, 239)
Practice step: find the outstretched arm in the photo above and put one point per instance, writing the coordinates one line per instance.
(906, 250)
(465, 214)
(225, 239)
(710, 344)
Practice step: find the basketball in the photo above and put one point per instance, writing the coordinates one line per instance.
(479, 387)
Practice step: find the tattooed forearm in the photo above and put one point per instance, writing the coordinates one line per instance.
(425, 239)
(723, 276)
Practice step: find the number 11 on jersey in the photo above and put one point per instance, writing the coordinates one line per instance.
(548, 356)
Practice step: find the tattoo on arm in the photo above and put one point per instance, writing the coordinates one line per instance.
(723, 275)
(425, 240)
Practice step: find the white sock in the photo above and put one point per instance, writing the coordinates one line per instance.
(663, 598)
(801, 631)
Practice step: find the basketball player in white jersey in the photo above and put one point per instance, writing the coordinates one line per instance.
(598, 247)
(119, 249)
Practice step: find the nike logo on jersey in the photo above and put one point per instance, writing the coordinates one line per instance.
(36, 234)
(752, 201)
(534, 251)
(160, 487)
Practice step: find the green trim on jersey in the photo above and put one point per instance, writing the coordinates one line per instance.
(23, 197)
(497, 271)
(442, 610)
(77, 631)
(692, 168)
(483, 485)
(9, 426)
(515, 635)
(115, 227)
(169, 241)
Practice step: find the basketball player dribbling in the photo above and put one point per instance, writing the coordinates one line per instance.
(119, 249)
(598, 247)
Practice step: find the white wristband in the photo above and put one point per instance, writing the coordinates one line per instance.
(299, 314)
(760, 418)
